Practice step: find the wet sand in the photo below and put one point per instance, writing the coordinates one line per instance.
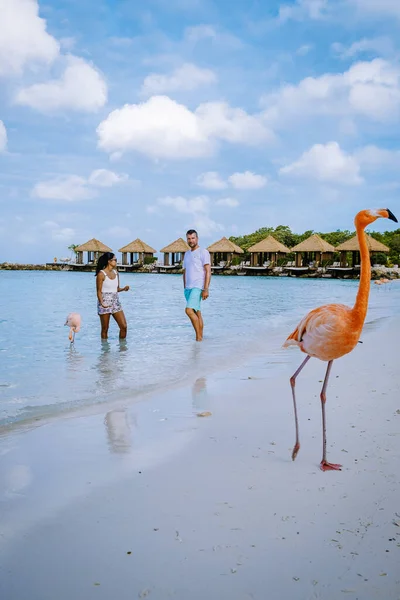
(151, 501)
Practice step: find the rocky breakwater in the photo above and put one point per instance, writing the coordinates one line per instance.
(6, 266)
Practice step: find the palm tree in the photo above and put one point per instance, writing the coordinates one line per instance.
(73, 247)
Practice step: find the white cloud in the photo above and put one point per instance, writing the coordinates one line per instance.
(234, 125)
(303, 9)
(159, 128)
(229, 202)
(60, 234)
(73, 188)
(390, 8)
(369, 89)
(327, 164)
(374, 158)
(205, 226)
(162, 128)
(81, 88)
(64, 234)
(198, 209)
(199, 32)
(247, 181)
(23, 37)
(304, 49)
(70, 188)
(106, 178)
(119, 232)
(188, 77)
(211, 181)
(378, 45)
(186, 205)
(67, 43)
(241, 181)
(3, 137)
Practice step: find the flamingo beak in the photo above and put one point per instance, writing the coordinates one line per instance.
(391, 216)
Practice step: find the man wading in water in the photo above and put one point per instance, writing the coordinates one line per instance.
(196, 280)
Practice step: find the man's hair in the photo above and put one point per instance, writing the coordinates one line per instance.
(191, 231)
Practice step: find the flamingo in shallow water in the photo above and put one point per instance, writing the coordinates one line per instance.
(333, 330)
(74, 323)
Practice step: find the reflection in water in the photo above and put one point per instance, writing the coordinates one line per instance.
(75, 360)
(199, 394)
(110, 366)
(17, 479)
(118, 431)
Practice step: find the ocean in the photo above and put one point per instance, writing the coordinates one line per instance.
(246, 318)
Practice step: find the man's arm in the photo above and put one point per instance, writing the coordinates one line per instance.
(207, 279)
(184, 278)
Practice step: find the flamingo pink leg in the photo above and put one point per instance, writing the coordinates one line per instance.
(326, 466)
(293, 383)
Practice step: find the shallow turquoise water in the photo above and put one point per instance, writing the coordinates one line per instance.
(42, 374)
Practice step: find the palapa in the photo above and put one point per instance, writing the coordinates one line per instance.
(138, 246)
(176, 247)
(352, 245)
(93, 245)
(314, 243)
(269, 244)
(224, 245)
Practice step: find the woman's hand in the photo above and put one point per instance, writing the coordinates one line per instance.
(126, 288)
(105, 305)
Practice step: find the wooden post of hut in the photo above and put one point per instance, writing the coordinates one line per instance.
(312, 249)
(223, 251)
(174, 252)
(352, 246)
(136, 248)
(94, 249)
(267, 249)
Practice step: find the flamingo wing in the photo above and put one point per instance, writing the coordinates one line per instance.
(325, 332)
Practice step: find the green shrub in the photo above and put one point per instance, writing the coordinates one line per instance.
(149, 260)
(379, 258)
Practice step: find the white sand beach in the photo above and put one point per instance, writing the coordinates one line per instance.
(148, 500)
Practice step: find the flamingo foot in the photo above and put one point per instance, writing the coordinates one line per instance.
(326, 466)
(295, 451)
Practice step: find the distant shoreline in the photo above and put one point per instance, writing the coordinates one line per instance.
(376, 273)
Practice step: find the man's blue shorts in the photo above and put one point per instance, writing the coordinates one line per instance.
(193, 298)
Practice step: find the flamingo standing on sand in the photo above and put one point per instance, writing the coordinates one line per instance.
(74, 323)
(333, 330)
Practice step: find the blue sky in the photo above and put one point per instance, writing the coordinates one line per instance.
(125, 119)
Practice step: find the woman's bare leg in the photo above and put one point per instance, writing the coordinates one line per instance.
(122, 324)
(105, 322)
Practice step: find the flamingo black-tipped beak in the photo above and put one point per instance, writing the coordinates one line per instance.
(391, 216)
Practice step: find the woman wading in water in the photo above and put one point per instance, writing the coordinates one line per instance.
(107, 284)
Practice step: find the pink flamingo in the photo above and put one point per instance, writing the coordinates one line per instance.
(333, 330)
(74, 323)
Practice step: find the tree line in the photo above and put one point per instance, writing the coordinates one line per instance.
(286, 236)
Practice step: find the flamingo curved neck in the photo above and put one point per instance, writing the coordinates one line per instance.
(361, 305)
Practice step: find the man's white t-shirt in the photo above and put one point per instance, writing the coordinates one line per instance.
(193, 263)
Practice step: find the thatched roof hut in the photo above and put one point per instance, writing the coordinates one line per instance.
(353, 246)
(173, 253)
(315, 249)
(223, 251)
(136, 252)
(268, 251)
(93, 248)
